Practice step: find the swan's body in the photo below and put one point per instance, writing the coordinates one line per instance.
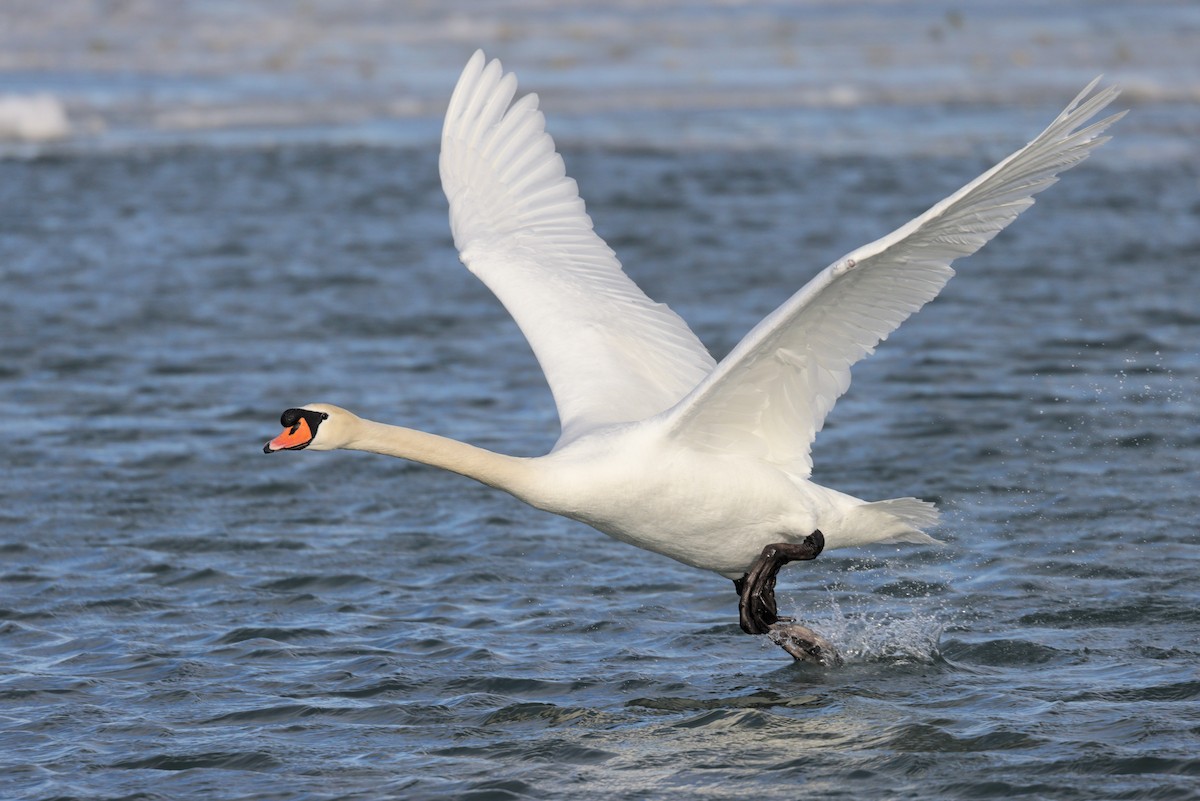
(633, 483)
(661, 447)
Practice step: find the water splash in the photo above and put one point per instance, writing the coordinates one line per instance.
(905, 637)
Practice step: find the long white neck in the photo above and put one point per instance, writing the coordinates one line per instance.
(509, 473)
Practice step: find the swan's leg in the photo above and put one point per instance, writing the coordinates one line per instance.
(756, 589)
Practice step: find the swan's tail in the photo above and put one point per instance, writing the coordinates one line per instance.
(897, 520)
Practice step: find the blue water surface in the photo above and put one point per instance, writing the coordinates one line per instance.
(182, 616)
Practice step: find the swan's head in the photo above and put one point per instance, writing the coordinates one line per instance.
(318, 426)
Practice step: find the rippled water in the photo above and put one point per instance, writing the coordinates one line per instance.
(186, 617)
(182, 616)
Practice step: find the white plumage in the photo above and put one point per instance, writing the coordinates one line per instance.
(610, 354)
(661, 447)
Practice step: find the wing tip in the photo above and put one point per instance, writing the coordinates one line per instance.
(467, 85)
(1086, 105)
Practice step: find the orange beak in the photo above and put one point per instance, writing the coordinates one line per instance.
(294, 438)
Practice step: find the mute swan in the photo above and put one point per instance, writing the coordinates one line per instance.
(661, 446)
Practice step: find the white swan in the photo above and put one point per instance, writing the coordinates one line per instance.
(661, 447)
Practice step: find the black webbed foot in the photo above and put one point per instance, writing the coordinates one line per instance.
(756, 590)
(805, 645)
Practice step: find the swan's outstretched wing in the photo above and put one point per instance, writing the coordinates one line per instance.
(770, 395)
(609, 353)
